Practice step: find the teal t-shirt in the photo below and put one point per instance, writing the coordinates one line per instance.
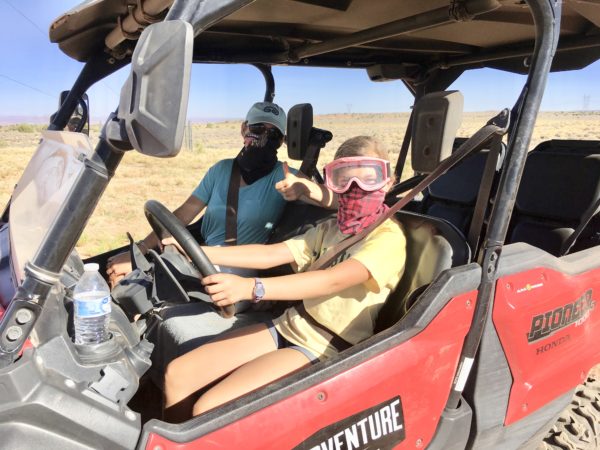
(259, 205)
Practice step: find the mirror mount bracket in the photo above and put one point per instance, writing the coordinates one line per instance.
(115, 133)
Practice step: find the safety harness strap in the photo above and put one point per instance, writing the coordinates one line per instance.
(335, 340)
(476, 142)
(232, 205)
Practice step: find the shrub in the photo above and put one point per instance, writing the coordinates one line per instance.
(25, 128)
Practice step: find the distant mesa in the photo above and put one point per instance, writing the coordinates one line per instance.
(10, 120)
(16, 119)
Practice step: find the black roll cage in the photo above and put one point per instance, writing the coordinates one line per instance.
(43, 271)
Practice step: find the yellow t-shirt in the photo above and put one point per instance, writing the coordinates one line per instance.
(351, 313)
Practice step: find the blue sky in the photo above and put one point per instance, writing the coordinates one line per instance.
(33, 72)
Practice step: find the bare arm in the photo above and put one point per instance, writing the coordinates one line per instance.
(226, 289)
(252, 256)
(319, 195)
(186, 213)
(120, 265)
(298, 187)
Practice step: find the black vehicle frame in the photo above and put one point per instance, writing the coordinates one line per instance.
(99, 382)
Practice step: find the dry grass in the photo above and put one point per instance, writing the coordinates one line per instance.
(140, 178)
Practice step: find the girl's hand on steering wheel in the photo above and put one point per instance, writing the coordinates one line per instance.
(226, 289)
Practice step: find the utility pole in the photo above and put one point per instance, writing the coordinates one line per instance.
(586, 102)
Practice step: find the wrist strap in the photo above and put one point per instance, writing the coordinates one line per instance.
(256, 298)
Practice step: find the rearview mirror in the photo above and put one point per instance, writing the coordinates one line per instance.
(80, 119)
(79, 122)
(155, 96)
(299, 124)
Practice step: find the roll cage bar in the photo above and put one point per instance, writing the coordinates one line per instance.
(42, 273)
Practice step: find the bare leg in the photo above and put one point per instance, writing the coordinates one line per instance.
(200, 367)
(251, 376)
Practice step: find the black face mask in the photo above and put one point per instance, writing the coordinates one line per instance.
(256, 161)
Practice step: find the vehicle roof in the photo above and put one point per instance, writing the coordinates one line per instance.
(279, 31)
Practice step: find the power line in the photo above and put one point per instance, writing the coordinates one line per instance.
(110, 89)
(26, 85)
(27, 18)
(45, 34)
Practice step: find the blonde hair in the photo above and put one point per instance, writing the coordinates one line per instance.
(361, 146)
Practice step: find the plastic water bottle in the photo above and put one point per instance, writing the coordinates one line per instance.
(91, 298)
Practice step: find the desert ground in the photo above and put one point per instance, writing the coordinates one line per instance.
(140, 178)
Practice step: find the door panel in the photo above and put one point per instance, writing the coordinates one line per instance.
(394, 398)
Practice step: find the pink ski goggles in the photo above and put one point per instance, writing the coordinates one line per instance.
(370, 174)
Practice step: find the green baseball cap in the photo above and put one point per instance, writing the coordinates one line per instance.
(267, 112)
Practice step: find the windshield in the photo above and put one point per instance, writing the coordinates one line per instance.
(42, 190)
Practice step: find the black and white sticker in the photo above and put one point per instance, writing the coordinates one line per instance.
(379, 427)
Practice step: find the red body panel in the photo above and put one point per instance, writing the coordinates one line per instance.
(558, 355)
(419, 370)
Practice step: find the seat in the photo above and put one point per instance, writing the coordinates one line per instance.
(461, 193)
(557, 188)
(432, 246)
(453, 196)
(585, 147)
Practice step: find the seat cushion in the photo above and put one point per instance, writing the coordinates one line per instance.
(184, 327)
(545, 236)
(432, 246)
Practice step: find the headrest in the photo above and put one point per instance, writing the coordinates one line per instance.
(299, 124)
(571, 146)
(436, 119)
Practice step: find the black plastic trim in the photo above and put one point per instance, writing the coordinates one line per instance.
(546, 16)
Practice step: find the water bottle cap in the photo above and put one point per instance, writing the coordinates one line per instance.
(91, 267)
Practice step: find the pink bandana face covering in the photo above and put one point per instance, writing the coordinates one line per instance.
(359, 208)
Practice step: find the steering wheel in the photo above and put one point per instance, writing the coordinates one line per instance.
(165, 224)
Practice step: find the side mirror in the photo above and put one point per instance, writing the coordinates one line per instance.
(437, 117)
(79, 121)
(299, 125)
(154, 98)
(389, 72)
